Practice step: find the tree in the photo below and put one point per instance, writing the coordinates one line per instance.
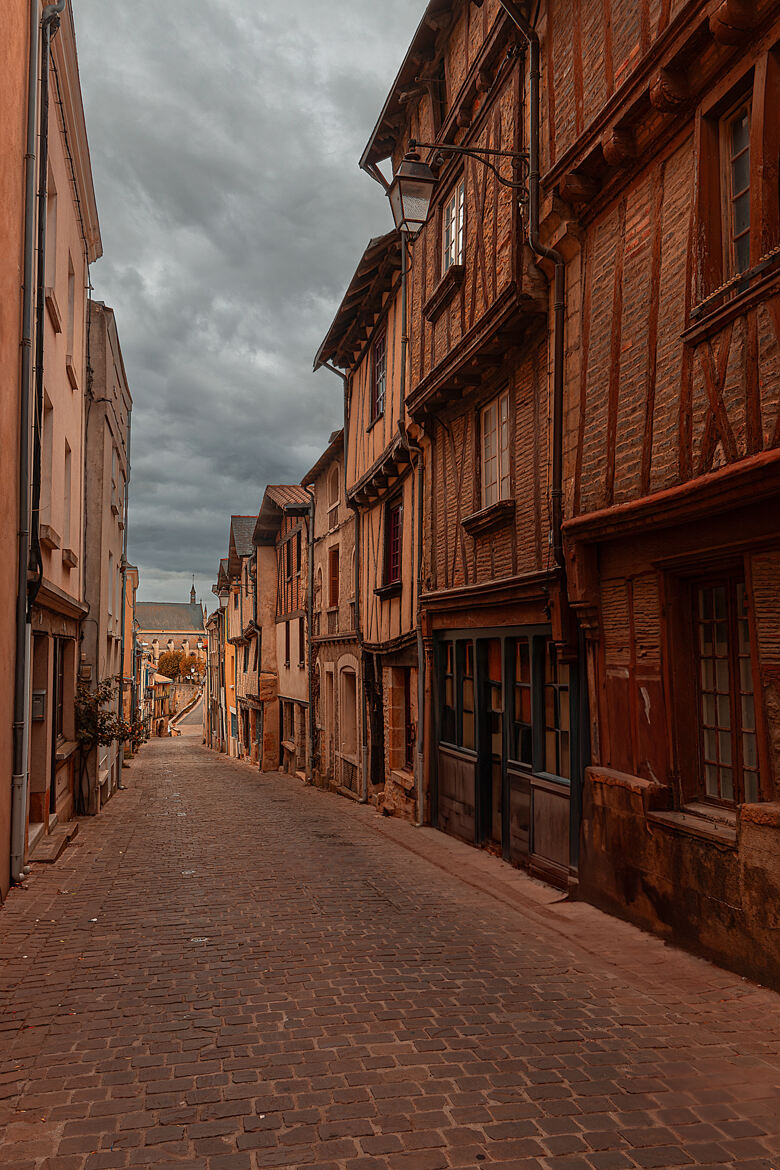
(170, 663)
(192, 662)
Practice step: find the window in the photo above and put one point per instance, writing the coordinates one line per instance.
(286, 643)
(301, 642)
(333, 576)
(452, 228)
(468, 737)
(288, 559)
(521, 748)
(348, 712)
(448, 705)
(246, 657)
(235, 599)
(725, 685)
(110, 587)
(298, 551)
(735, 162)
(557, 748)
(495, 451)
(71, 305)
(393, 535)
(51, 232)
(439, 94)
(378, 376)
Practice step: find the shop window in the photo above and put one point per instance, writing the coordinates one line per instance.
(725, 685)
(378, 376)
(393, 535)
(495, 451)
(453, 223)
(468, 737)
(522, 711)
(557, 732)
(448, 720)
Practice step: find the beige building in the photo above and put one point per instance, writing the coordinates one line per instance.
(68, 241)
(105, 628)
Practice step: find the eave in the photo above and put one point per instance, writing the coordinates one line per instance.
(374, 276)
(388, 470)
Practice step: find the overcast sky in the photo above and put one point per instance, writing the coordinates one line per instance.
(224, 139)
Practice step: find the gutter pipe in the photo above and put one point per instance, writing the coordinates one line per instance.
(531, 38)
(358, 630)
(309, 624)
(121, 703)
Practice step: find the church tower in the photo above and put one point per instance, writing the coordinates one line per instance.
(193, 599)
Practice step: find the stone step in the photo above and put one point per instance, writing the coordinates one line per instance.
(52, 844)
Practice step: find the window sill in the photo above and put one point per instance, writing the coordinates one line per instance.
(444, 291)
(69, 558)
(705, 321)
(53, 309)
(70, 370)
(497, 515)
(391, 589)
(707, 822)
(374, 421)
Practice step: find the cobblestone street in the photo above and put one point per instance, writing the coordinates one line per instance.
(229, 971)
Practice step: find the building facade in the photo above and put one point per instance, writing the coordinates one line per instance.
(336, 659)
(172, 625)
(105, 630)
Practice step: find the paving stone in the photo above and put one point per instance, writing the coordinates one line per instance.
(286, 979)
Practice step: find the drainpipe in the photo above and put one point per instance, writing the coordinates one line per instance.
(124, 606)
(309, 621)
(358, 634)
(531, 38)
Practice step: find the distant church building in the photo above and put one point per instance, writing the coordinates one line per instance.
(171, 625)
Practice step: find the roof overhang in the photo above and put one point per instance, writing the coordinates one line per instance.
(372, 278)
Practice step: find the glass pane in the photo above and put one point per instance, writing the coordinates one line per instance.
(563, 767)
(749, 756)
(719, 602)
(468, 694)
(522, 661)
(741, 214)
(705, 637)
(751, 787)
(708, 710)
(726, 784)
(724, 711)
(525, 711)
(549, 707)
(449, 696)
(724, 744)
(707, 674)
(745, 675)
(711, 780)
(468, 729)
(740, 130)
(550, 761)
(748, 713)
(524, 747)
(705, 603)
(740, 172)
(721, 638)
(563, 710)
(711, 746)
(722, 675)
(742, 253)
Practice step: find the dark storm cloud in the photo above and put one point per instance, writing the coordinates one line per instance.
(224, 141)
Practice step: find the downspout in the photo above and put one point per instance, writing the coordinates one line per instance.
(309, 623)
(21, 715)
(531, 38)
(358, 632)
(124, 606)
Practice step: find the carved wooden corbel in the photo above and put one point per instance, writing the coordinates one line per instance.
(619, 147)
(668, 91)
(732, 23)
(577, 188)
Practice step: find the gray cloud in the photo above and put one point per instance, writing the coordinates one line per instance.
(224, 141)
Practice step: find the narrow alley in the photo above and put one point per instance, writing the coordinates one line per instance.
(231, 970)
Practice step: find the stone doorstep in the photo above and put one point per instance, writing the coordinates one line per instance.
(49, 847)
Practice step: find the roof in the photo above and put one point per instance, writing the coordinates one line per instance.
(241, 529)
(421, 51)
(372, 278)
(168, 616)
(161, 678)
(335, 445)
(275, 499)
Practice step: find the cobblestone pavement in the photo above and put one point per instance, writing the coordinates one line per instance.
(233, 971)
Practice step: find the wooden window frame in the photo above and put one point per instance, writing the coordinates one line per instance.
(392, 572)
(731, 265)
(378, 391)
(503, 453)
(301, 642)
(757, 83)
(334, 577)
(287, 643)
(453, 252)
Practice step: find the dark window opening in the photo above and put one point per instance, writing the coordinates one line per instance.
(378, 376)
(393, 527)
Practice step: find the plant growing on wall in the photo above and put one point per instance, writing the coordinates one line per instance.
(97, 724)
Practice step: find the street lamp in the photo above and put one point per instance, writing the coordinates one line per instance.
(410, 194)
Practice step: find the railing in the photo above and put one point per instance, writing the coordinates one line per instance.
(349, 775)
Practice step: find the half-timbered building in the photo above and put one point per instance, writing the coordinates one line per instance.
(336, 666)
(502, 743)
(660, 145)
(242, 630)
(366, 342)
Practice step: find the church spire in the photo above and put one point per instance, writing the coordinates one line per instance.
(193, 598)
